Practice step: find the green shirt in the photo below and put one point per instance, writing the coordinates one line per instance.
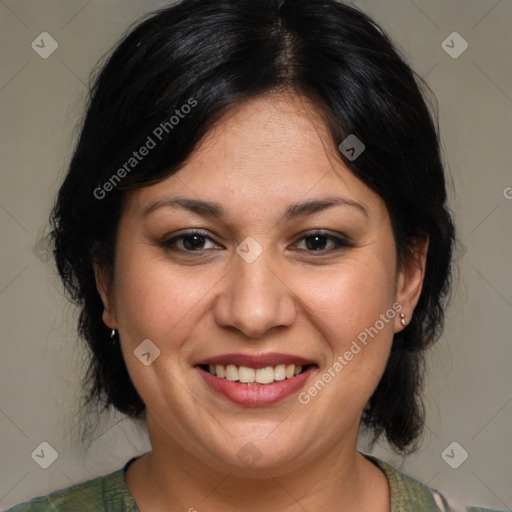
(109, 494)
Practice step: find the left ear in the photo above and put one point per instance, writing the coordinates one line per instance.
(410, 280)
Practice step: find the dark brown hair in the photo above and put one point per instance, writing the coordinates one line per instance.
(217, 53)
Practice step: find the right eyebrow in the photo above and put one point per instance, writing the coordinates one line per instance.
(205, 208)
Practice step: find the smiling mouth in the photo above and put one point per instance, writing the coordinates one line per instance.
(255, 376)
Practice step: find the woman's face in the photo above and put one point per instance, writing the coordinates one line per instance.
(264, 250)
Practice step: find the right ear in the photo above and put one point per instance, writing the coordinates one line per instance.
(104, 289)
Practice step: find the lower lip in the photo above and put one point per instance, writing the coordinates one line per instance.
(259, 394)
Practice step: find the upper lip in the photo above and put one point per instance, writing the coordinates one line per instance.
(255, 361)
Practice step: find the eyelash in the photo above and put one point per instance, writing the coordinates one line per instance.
(339, 242)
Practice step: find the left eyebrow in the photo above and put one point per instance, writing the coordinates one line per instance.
(302, 209)
(215, 210)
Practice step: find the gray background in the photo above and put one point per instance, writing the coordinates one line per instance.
(469, 391)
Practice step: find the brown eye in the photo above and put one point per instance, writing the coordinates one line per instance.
(190, 242)
(319, 242)
(316, 242)
(193, 242)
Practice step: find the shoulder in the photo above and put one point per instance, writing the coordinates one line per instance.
(483, 509)
(105, 493)
(408, 493)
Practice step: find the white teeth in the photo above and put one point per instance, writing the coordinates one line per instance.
(231, 372)
(253, 376)
(246, 374)
(264, 375)
(280, 372)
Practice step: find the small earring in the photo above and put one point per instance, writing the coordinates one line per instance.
(113, 336)
(402, 319)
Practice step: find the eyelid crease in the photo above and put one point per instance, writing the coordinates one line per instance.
(340, 242)
(166, 241)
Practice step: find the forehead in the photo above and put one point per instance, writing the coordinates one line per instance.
(264, 151)
(278, 137)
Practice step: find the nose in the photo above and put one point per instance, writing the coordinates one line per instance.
(255, 299)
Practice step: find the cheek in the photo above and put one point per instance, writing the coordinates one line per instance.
(155, 300)
(350, 299)
(348, 306)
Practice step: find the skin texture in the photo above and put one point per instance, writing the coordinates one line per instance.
(265, 155)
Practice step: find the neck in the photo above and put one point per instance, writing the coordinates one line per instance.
(341, 480)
